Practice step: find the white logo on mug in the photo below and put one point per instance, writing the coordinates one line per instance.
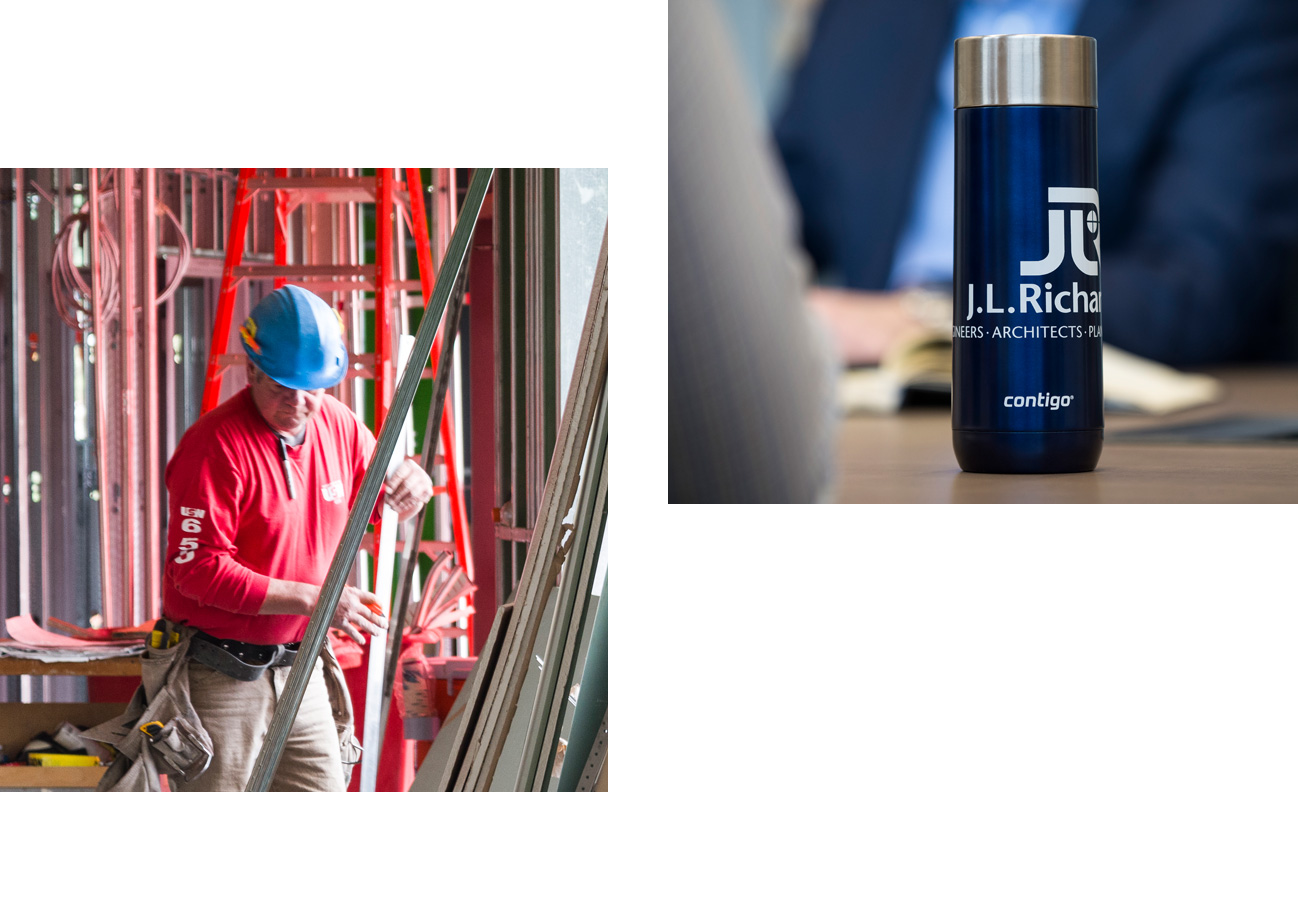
(1080, 221)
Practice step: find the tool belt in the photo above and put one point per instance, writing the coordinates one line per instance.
(240, 660)
(161, 733)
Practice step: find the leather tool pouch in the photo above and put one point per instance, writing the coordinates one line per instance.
(181, 748)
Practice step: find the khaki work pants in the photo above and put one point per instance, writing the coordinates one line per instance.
(237, 716)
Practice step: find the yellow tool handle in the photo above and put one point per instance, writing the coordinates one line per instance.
(62, 759)
(155, 639)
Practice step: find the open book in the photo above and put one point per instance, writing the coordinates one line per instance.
(919, 371)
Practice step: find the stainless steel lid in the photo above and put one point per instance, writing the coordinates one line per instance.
(1025, 70)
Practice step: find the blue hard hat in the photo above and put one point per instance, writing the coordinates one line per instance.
(296, 338)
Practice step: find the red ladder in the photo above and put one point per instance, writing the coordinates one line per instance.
(389, 195)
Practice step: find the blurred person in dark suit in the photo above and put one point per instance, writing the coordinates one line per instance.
(750, 380)
(1198, 155)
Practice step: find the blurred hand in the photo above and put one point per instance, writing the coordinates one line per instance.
(409, 488)
(358, 611)
(864, 325)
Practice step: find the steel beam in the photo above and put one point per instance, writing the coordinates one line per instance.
(128, 292)
(175, 353)
(541, 300)
(51, 451)
(482, 480)
(383, 276)
(152, 467)
(20, 495)
(107, 566)
(18, 336)
(519, 366)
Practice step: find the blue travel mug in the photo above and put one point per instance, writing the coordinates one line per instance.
(1027, 387)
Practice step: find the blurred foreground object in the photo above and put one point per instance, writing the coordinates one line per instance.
(750, 384)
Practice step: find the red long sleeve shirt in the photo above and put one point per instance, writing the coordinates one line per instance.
(232, 526)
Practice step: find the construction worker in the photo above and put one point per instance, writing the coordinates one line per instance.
(260, 489)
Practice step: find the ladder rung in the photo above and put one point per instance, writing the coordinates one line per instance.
(304, 272)
(313, 183)
(327, 287)
(304, 182)
(325, 188)
(337, 195)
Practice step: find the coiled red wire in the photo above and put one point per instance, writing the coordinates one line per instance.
(70, 290)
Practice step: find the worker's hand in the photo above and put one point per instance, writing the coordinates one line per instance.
(358, 611)
(409, 488)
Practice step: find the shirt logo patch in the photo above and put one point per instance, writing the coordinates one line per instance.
(333, 491)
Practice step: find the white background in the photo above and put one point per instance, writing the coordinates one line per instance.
(807, 702)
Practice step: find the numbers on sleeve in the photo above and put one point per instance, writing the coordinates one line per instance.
(190, 525)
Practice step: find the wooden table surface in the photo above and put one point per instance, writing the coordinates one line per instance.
(907, 458)
(126, 665)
